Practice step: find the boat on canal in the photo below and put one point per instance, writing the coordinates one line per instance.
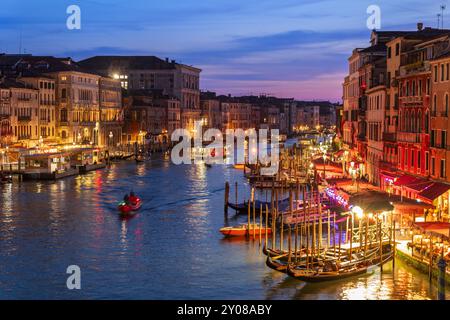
(242, 208)
(243, 230)
(5, 178)
(330, 268)
(129, 208)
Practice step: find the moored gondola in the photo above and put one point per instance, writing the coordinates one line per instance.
(333, 270)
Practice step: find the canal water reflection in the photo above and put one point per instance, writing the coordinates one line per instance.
(171, 250)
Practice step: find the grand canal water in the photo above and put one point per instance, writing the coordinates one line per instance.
(171, 250)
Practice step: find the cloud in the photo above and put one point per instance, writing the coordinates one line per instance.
(323, 86)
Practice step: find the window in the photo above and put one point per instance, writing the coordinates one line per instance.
(442, 72)
(447, 72)
(443, 171)
(63, 93)
(419, 160)
(446, 106)
(397, 49)
(434, 104)
(443, 139)
(63, 115)
(435, 73)
(427, 161)
(412, 158)
(432, 166)
(389, 52)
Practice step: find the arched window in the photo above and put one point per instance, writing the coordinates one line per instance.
(427, 119)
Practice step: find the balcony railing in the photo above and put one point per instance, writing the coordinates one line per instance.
(24, 118)
(362, 137)
(411, 99)
(389, 136)
(415, 67)
(411, 137)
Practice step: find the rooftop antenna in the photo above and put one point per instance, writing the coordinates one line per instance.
(442, 15)
(438, 18)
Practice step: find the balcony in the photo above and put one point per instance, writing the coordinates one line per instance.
(24, 118)
(4, 116)
(412, 100)
(362, 137)
(410, 137)
(414, 68)
(88, 123)
(24, 137)
(389, 136)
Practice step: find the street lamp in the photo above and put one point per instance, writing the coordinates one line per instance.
(358, 211)
(111, 135)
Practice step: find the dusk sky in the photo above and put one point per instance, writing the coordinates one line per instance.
(287, 48)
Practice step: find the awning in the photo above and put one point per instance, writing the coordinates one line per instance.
(419, 185)
(400, 202)
(389, 176)
(404, 180)
(434, 228)
(433, 191)
(415, 184)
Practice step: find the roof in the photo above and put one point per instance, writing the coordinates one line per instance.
(50, 154)
(40, 64)
(127, 62)
(13, 83)
(425, 33)
(372, 201)
(379, 47)
(434, 190)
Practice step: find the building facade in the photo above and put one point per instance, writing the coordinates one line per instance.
(47, 106)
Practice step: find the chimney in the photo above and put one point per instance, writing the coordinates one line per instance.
(173, 61)
(419, 26)
(167, 60)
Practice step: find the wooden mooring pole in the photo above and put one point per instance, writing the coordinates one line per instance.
(227, 194)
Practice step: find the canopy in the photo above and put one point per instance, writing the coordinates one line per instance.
(434, 228)
(434, 190)
(406, 180)
(372, 201)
